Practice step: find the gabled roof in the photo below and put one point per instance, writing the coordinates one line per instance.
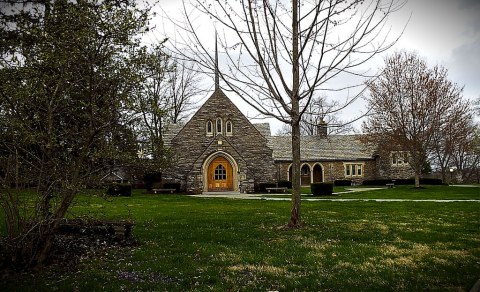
(217, 96)
(315, 148)
(312, 148)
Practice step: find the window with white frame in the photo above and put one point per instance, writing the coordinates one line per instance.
(219, 126)
(209, 128)
(353, 169)
(228, 128)
(399, 158)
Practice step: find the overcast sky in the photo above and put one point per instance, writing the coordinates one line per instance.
(445, 32)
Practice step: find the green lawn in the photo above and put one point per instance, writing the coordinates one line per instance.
(189, 243)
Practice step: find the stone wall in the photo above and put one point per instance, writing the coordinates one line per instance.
(333, 170)
(379, 168)
(389, 171)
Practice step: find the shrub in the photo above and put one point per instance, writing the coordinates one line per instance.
(172, 185)
(377, 182)
(431, 181)
(285, 184)
(138, 185)
(342, 182)
(402, 181)
(261, 187)
(119, 190)
(151, 178)
(322, 189)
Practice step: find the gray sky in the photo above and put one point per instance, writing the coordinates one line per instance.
(444, 32)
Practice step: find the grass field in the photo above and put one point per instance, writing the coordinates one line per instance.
(218, 244)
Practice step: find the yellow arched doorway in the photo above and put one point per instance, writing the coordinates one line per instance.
(220, 175)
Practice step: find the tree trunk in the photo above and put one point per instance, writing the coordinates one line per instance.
(295, 219)
(444, 174)
(417, 179)
(45, 249)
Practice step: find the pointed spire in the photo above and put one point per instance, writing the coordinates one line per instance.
(217, 73)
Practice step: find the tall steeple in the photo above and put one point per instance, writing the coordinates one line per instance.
(217, 73)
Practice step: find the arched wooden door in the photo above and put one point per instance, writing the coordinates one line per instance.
(317, 174)
(220, 175)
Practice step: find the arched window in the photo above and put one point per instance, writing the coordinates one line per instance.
(228, 128)
(219, 126)
(220, 173)
(209, 128)
(305, 170)
(305, 178)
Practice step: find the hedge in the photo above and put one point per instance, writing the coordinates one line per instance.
(172, 185)
(342, 182)
(285, 184)
(377, 182)
(119, 190)
(410, 181)
(261, 187)
(151, 178)
(322, 189)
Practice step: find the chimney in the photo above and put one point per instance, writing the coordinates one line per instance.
(322, 129)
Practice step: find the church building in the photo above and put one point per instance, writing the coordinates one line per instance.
(220, 150)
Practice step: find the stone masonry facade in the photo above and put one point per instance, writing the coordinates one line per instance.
(334, 170)
(219, 130)
(244, 145)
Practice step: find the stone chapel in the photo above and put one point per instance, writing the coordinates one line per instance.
(220, 150)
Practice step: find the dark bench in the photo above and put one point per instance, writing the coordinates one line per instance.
(390, 185)
(283, 189)
(163, 190)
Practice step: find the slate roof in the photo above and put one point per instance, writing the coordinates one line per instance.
(315, 148)
(312, 148)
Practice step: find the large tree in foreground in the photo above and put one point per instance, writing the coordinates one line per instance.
(411, 104)
(279, 54)
(66, 71)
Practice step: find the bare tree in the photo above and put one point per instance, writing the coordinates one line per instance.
(453, 139)
(279, 54)
(184, 81)
(477, 106)
(165, 97)
(320, 111)
(148, 104)
(466, 155)
(410, 103)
